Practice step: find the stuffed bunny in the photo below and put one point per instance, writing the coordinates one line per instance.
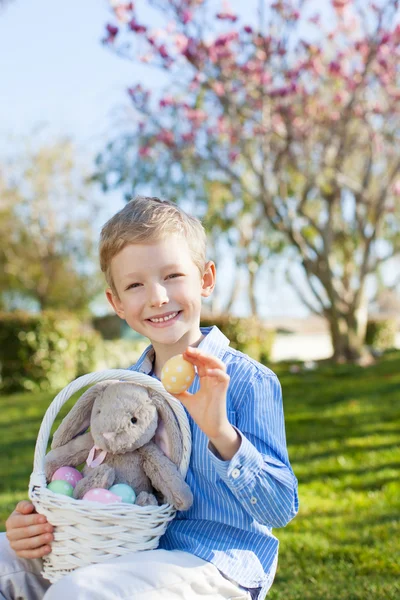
(126, 420)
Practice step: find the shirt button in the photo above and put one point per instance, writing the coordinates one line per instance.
(235, 473)
(253, 500)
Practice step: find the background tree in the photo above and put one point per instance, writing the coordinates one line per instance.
(47, 239)
(297, 112)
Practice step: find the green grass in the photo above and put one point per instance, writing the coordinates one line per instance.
(343, 431)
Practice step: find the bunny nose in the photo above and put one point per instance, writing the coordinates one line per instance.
(109, 435)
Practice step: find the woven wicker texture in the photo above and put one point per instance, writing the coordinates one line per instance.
(86, 532)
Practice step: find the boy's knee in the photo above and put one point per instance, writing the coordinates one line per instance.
(10, 562)
(82, 583)
(19, 577)
(66, 588)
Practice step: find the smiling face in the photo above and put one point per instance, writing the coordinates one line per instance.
(159, 291)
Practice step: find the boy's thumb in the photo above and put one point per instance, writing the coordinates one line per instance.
(25, 507)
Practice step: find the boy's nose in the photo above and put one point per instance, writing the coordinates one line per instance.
(158, 295)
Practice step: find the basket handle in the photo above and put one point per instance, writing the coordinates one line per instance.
(38, 477)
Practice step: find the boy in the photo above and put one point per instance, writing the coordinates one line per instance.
(153, 257)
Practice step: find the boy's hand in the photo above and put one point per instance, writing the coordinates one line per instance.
(29, 534)
(208, 406)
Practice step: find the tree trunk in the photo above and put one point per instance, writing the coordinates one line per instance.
(348, 335)
(252, 293)
(235, 291)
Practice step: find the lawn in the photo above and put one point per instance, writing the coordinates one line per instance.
(343, 430)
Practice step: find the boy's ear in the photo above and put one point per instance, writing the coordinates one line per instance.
(115, 303)
(209, 279)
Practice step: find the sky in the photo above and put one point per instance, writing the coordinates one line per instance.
(56, 78)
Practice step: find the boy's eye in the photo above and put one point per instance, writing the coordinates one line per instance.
(174, 275)
(133, 286)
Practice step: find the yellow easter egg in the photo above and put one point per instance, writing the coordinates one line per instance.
(177, 374)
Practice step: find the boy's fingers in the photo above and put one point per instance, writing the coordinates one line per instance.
(23, 533)
(32, 543)
(18, 520)
(37, 553)
(195, 356)
(184, 397)
(218, 373)
(25, 507)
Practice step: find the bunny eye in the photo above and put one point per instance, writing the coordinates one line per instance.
(134, 420)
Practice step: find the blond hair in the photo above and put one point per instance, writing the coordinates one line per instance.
(147, 220)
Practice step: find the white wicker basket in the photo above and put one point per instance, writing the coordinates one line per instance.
(84, 533)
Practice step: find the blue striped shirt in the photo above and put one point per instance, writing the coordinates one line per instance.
(237, 502)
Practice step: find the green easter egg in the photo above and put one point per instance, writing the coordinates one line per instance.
(59, 486)
(124, 491)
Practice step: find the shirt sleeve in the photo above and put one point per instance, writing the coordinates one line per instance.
(259, 475)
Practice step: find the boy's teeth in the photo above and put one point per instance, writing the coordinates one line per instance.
(171, 316)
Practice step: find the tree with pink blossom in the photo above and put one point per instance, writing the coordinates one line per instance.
(295, 115)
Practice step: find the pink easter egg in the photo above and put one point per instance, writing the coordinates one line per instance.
(101, 495)
(68, 474)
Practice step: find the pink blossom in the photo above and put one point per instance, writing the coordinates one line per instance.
(259, 130)
(266, 78)
(186, 16)
(218, 88)
(227, 16)
(193, 86)
(196, 115)
(225, 38)
(121, 11)
(222, 125)
(394, 92)
(377, 108)
(396, 188)
(384, 50)
(334, 68)
(359, 111)
(134, 26)
(165, 137)
(144, 151)
(233, 155)
(383, 63)
(188, 137)
(338, 98)
(167, 101)
(181, 41)
(316, 19)
(284, 91)
(385, 38)
(340, 4)
(112, 30)
(248, 29)
(191, 49)
(163, 51)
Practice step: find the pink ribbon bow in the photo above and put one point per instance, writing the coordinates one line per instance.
(91, 461)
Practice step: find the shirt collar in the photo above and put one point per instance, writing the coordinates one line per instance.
(214, 342)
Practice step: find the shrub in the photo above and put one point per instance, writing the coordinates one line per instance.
(248, 335)
(381, 333)
(118, 354)
(44, 351)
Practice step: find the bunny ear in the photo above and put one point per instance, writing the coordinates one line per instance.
(168, 435)
(78, 418)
